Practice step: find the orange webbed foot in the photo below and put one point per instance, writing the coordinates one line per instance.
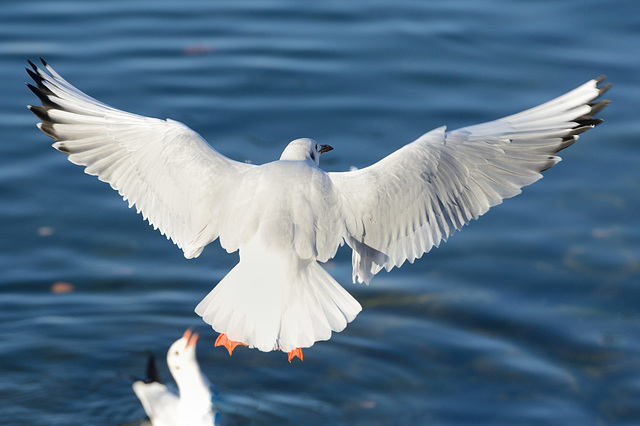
(295, 353)
(222, 340)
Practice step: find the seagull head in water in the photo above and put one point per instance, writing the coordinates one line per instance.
(192, 405)
(181, 356)
(182, 363)
(304, 149)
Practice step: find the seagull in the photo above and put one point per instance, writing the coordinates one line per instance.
(286, 217)
(192, 406)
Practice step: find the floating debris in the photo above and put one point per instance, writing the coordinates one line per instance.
(62, 287)
(45, 231)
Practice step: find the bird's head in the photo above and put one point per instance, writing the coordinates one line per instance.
(304, 149)
(181, 357)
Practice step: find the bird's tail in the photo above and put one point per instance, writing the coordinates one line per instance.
(278, 305)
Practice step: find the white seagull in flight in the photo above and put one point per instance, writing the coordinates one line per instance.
(287, 215)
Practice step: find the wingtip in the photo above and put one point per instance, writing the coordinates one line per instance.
(152, 371)
(605, 88)
(40, 112)
(34, 75)
(600, 78)
(32, 65)
(599, 106)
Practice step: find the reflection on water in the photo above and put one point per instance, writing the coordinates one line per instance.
(528, 316)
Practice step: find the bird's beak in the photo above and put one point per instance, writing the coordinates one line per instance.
(187, 334)
(191, 337)
(325, 148)
(192, 340)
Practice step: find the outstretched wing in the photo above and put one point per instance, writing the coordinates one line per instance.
(172, 176)
(419, 195)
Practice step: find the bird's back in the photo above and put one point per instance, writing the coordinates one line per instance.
(289, 205)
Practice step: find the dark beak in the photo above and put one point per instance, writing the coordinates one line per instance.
(325, 148)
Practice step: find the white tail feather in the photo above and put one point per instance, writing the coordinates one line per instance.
(278, 305)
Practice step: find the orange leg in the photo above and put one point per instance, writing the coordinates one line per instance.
(222, 340)
(295, 353)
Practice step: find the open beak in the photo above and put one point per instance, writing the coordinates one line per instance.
(187, 334)
(325, 148)
(192, 340)
(191, 337)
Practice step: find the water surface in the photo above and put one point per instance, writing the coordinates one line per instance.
(529, 316)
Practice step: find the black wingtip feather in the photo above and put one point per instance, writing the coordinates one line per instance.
(62, 148)
(581, 129)
(605, 88)
(39, 80)
(40, 112)
(33, 66)
(44, 95)
(600, 78)
(35, 76)
(599, 106)
(47, 128)
(38, 92)
(152, 371)
(587, 122)
(567, 141)
(43, 62)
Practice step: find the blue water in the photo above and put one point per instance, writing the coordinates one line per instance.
(529, 316)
